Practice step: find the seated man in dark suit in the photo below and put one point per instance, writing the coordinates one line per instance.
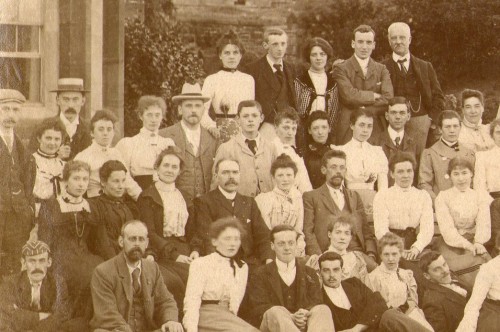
(395, 138)
(444, 299)
(35, 299)
(285, 295)
(354, 306)
(129, 293)
(319, 129)
(331, 199)
(225, 201)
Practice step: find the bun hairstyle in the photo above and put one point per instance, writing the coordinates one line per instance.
(283, 161)
(230, 38)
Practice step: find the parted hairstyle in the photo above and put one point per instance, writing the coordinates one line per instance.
(109, 167)
(283, 161)
(427, 260)
(344, 218)
(316, 115)
(397, 100)
(469, 93)
(288, 113)
(448, 114)
(330, 256)
(359, 113)
(249, 103)
(363, 28)
(220, 225)
(321, 43)
(230, 38)
(217, 164)
(390, 239)
(401, 157)
(332, 154)
(283, 228)
(273, 31)
(146, 102)
(170, 151)
(102, 115)
(51, 123)
(460, 162)
(74, 166)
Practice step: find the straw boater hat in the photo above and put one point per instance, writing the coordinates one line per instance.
(70, 85)
(190, 92)
(11, 95)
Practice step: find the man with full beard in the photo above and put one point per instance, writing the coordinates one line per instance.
(332, 199)
(70, 99)
(128, 292)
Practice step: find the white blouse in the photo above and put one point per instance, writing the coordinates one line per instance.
(46, 170)
(396, 287)
(320, 81)
(460, 212)
(475, 137)
(230, 88)
(364, 163)
(175, 213)
(399, 208)
(212, 278)
(487, 170)
(140, 151)
(488, 287)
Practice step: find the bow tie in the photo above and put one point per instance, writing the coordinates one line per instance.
(453, 146)
(232, 261)
(297, 151)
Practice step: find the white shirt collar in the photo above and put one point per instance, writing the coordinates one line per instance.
(66, 122)
(358, 144)
(9, 132)
(131, 268)
(148, 133)
(448, 142)
(396, 186)
(397, 57)
(256, 139)
(393, 134)
(363, 63)
(338, 296)
(196, 131)
(99, 147)
(271, 63)
(227, 194)
(285, 266)
(339, 190)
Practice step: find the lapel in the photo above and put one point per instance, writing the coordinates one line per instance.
(441, 149)
(414, 64)
(24, 291)
(240, 140)
(205, 141)
(287, 71)
(269, 76)
(124, 275)
(370, 71)
(406, 142)
(4, 150)
(354, 66)
(448, 293)
(224, 202)
(180, 139)
(146, 286)
(328, 200)
(385, 140)
(152, 192)
(326, 298)
(349, 199)
(275, 280)
(300, 279)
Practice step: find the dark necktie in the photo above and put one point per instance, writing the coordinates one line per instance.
(279, 73)
(398, 141)
(453, 146)
(135, 281)
(402, 67)
(252, 145)
(296, 149)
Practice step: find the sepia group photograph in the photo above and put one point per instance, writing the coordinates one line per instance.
(249, 165)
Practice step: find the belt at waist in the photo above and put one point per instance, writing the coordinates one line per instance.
(495, 194)
(224, 116)
(210, 301)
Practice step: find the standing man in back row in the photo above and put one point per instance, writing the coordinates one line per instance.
(416, 80)
(274, 87)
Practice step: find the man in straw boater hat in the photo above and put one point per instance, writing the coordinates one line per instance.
(197, 145)
(15, 212)
(34, 299)
(70, 98)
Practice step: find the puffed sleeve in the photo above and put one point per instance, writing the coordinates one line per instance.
(194, 292)
(483, 219)
(447, 224)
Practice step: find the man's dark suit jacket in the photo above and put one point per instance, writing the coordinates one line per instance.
(267, 86)
(443, 308)
(79, 142)
(265, 290)
(318, 209)
(112, 296)
(16, 291)
(255, 244)
(428, 84)
(366, 305)
(408, 144)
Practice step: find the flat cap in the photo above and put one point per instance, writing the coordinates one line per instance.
(11, 95)
(33, 248)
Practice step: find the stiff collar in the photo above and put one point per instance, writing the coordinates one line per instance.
(165, 187)
(471, 125)
(271, 63)
(363, 63)
(148, 133)
(285, 267)
(401, 189)
(397, 57)
(393, 134)
(228, 195)
(190, 131)
(66, 122)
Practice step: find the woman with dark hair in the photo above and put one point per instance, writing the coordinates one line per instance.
(217, 283)
(226, 89)
(315, 89)
(283, 205)
(463, 216)
(140, 151)
(64, 224)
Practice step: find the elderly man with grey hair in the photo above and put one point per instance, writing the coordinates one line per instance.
(416, 80)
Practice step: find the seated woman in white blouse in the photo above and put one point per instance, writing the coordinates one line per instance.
(366, 164)
(463, 216)
(283, 205)
(217, 283)
(340, 233)
(482, 312)
(397, 286)
(165, 212)
(140, 151)
(226, 89)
